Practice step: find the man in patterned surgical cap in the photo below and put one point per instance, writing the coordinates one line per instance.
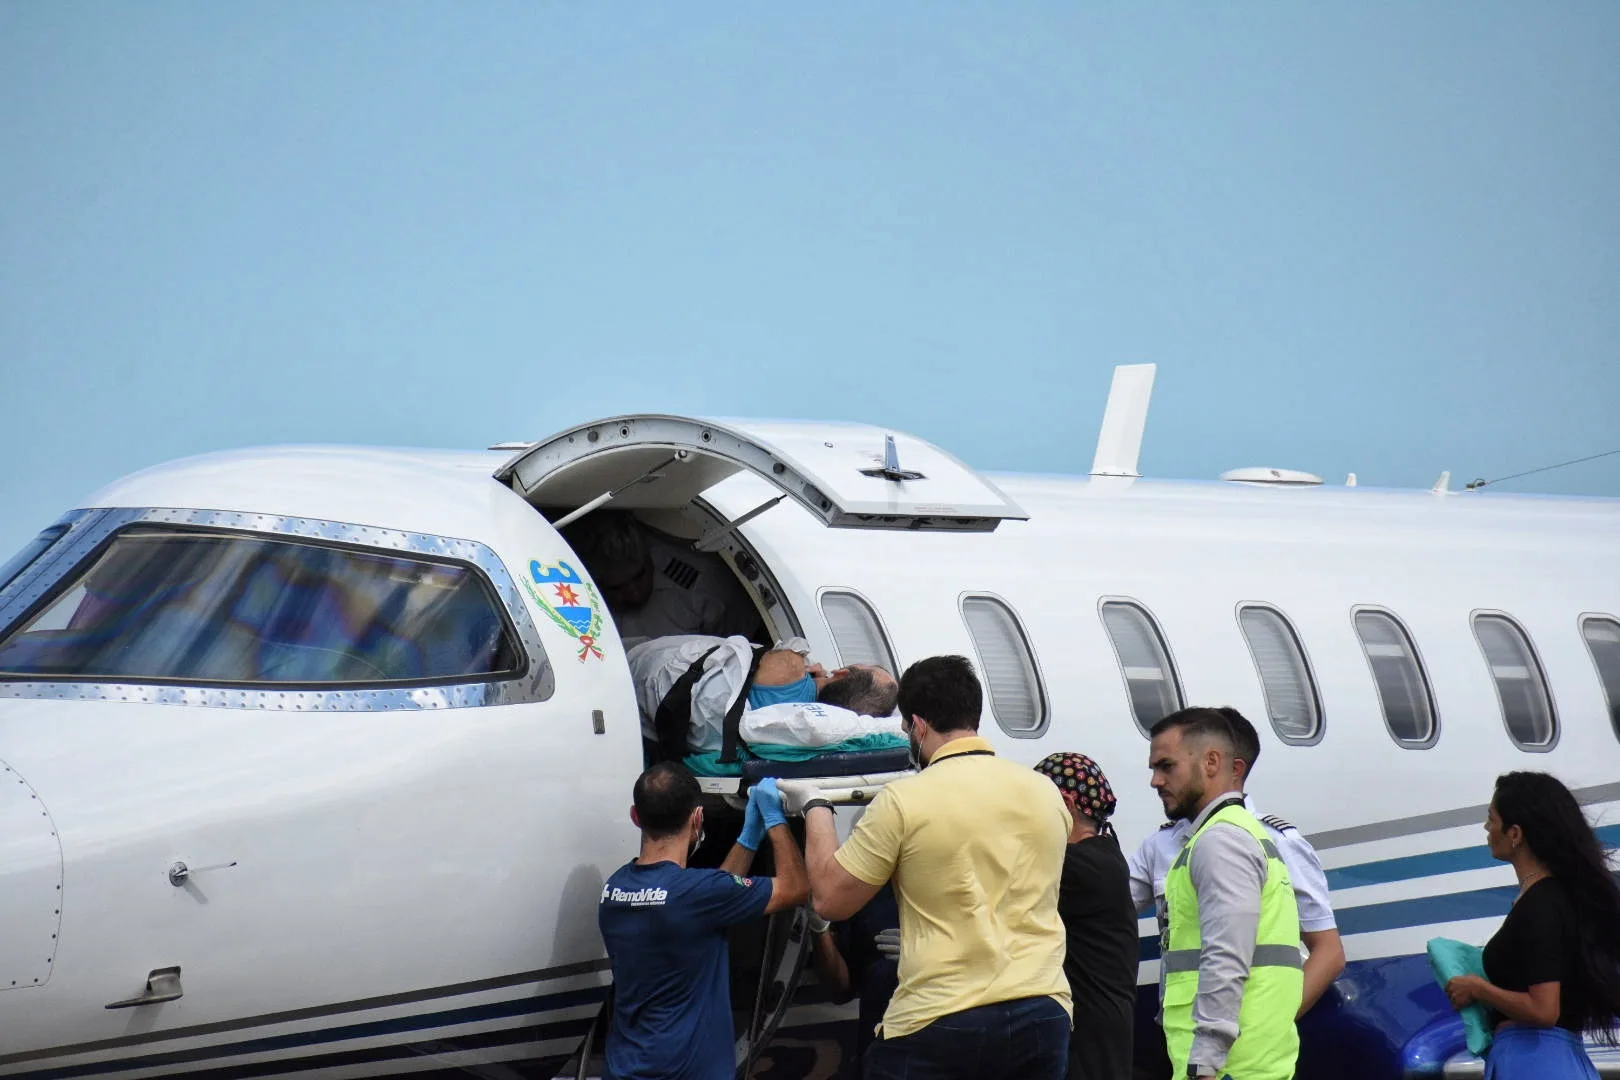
(1094, 900)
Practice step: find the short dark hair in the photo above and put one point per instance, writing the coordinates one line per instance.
(859, 690)
(1245, 740)
(944, 691)
(665, 796)
(612, 543)
(1198, 723)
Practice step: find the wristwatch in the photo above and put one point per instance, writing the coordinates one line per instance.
(818, 925)
(1197, 1071)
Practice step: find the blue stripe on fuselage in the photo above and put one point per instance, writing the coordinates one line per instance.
(495, 1010)
(1431, 863)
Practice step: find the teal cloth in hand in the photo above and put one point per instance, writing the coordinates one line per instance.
(769, 801)
(1449, 959)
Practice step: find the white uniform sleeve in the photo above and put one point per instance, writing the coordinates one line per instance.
(1310, 882)
(1141, 867)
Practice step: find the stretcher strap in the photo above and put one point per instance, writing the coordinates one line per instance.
(674, 717)
(730, 736)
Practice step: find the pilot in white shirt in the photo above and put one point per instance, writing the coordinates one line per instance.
(657, 586)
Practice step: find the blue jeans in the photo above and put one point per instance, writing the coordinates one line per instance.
(1023, 1039)
(1539, 1053)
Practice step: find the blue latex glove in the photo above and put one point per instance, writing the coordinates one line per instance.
(753, 830)
(769, 801)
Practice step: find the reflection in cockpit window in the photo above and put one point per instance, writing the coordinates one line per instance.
(160, 604)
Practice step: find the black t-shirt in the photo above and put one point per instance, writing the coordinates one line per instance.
(1538, 943)
(1094, 900)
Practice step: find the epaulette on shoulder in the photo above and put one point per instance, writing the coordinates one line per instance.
(1167, 825)
(1277, 823)
(683, 574)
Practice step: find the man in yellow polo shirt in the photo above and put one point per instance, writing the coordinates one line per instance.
(974, 846)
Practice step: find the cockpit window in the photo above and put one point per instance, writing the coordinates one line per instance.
(32, 550)
(180, 605)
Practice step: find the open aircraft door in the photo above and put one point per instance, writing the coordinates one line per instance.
(851, 476)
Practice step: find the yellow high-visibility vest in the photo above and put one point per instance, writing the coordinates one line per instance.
(1267, 1045)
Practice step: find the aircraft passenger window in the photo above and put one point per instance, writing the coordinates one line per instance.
(1007, 663)
(1150, 677)
(1602, 636)
(856, 631)
(32, 550)
(1521, 685)
(1292, 702)
(1403, 689)
(173, 605)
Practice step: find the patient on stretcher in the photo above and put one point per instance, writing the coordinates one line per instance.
(793, 710)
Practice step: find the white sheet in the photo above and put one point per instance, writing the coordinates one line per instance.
(811, 725)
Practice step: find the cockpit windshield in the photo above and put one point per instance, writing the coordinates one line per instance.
(166, 604)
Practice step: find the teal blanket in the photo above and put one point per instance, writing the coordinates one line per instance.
(711, 765)
(1449, 959)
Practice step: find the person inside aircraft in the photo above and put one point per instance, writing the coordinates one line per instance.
(665, 927)
(1151, 862)
(864, 689)
(656, 585)
(692, 688)
(1552, 971)
(1094, 901)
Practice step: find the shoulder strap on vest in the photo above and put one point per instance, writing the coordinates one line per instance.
(674, 717)
(730, 737)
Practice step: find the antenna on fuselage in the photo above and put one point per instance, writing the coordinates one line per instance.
(1119, 443)
(890, 469)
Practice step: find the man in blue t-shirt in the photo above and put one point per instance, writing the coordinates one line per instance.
(665, 926)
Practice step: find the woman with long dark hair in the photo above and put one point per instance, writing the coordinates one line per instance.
(1553, 969)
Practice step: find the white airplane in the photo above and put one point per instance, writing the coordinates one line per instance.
(315, 759)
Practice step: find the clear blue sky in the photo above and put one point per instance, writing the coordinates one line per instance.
(1380, 237)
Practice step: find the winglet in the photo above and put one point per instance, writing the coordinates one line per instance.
(1119, 443)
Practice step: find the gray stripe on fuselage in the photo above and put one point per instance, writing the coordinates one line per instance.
(266, 1019)
(1440, 819)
